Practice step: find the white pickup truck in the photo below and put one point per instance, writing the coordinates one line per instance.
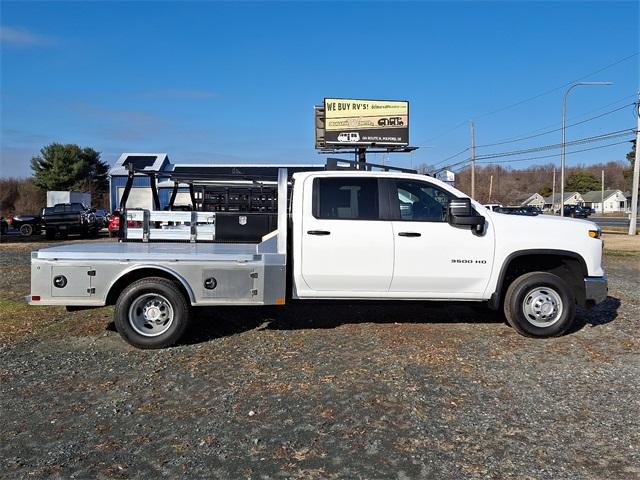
(340, 234)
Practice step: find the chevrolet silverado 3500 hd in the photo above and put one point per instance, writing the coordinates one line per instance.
(336, 234)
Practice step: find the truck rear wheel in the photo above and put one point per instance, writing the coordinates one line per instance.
(152, 313)
(540, 304)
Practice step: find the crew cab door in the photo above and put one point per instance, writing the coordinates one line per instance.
(432, 257)
(345, 246)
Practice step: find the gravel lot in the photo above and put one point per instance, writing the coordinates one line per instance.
(320, 391)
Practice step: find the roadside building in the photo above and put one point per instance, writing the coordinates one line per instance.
(529, 200)
(570, 198)
(615, 201)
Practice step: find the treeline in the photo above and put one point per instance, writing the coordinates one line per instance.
(20, 195)
(65, 167)
(511, 184)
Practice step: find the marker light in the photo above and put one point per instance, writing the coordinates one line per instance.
(595, 233)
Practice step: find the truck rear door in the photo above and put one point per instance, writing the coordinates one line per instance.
(345, 245)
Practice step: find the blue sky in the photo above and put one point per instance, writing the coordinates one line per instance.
(236, 82)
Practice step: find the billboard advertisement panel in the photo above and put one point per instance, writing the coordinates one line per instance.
(352, 122)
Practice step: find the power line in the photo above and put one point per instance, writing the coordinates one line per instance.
(534, 97)
(556, 124)
(560, 87)
(452, 156)
(555, 129)
(555, 154)
(580, 141)
(595, 138)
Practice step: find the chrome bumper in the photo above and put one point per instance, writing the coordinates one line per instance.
(596, 289)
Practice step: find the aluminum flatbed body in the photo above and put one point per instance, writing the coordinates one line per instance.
(211, 274)
(91, 274)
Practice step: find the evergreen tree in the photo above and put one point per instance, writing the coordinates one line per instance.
(69, 167)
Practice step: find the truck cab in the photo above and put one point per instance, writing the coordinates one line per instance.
(341, 234)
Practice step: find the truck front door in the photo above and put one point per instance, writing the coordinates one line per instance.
(432, 257)
(345, 245)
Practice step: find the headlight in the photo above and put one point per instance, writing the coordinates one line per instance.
(595, 233)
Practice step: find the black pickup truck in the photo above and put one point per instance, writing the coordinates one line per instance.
(69, 218)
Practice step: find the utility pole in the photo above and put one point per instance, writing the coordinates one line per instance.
(636, 177)
(553, 194)
(602, 194)
(473, 162)
(490, 187)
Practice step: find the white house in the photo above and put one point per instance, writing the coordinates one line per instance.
(614, 201)
(570, 198)
(530, 200)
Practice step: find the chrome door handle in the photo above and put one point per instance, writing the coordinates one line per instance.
(409, 234)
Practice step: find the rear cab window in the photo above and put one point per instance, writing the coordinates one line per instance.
(346, 198)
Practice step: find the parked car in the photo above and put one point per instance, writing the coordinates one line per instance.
(101, 218)
(27, 224)
(113, 224)
(527, 212)
(576, 211)
(532, 209)
(69, 218)
(4, 226)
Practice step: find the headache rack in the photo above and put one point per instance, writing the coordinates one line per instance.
(227, 206)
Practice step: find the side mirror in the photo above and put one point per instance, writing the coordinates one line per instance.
(461, 213)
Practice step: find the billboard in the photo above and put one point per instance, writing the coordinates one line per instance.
(352, 122)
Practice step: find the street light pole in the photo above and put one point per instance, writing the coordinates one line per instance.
(564, 134)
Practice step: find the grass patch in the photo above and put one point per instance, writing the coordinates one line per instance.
(19, 320)
(621, 253)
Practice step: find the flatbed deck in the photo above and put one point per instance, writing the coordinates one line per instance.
(132, 251)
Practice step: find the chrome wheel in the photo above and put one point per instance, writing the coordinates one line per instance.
(151, 315)
(542, 307)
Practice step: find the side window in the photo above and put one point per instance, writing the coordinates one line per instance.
(421, 202)
(345, 198)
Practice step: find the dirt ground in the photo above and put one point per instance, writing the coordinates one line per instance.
(320, 391)
(621, 243)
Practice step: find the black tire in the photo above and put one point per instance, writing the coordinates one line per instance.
(546, 288)
(26, 230)
(152, 287)
(50, 234)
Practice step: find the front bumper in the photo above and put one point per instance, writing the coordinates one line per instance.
(596, 289)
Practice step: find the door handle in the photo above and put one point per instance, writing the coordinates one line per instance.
(409, 234)
(318, 232)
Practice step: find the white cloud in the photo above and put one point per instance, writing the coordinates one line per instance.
(22, 37)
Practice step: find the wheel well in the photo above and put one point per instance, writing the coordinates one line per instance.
(137, 274)
(570, 268)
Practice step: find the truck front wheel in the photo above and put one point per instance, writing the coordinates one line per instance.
(540, 304)
(152, 313)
